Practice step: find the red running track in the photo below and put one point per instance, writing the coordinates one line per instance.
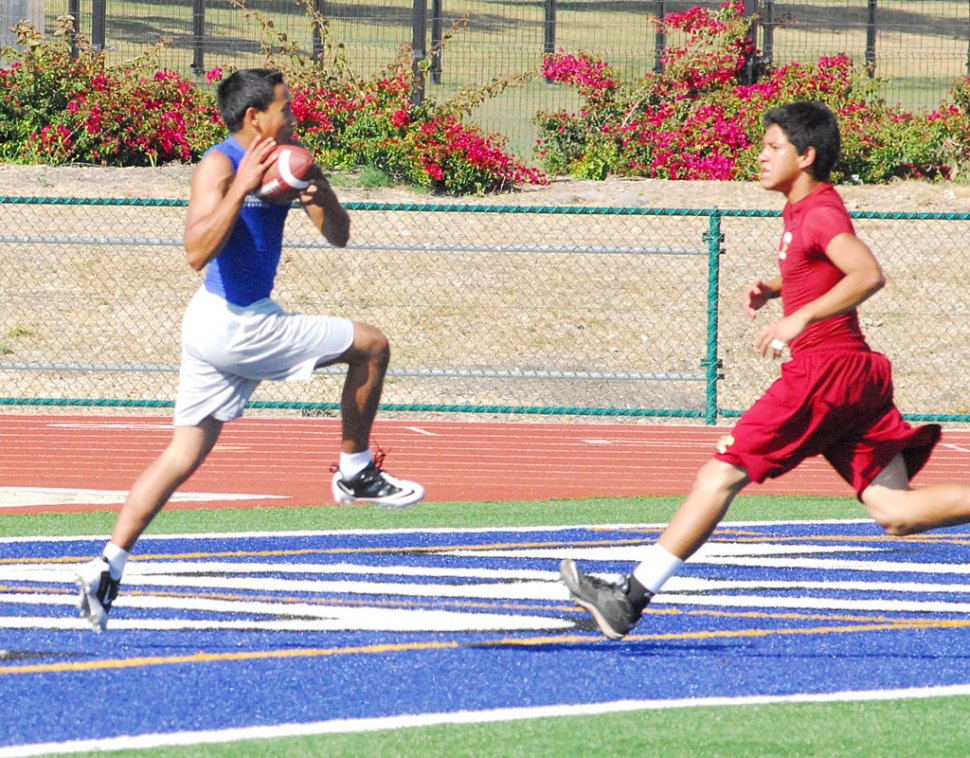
(286, 461)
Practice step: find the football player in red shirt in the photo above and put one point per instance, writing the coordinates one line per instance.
(834, 397)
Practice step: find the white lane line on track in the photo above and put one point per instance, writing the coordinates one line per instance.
(101, 425)
(958, 448)
(20, 497)
(349, 726)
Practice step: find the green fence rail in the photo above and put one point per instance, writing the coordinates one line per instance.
(497, 309)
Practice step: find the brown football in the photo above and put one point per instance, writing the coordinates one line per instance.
(286, 178)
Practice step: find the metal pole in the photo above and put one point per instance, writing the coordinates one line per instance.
(711, 363)
(549, 30)
(198, 35)
(751, 10)
(436, 40)
(749, 73)
(419, 25)
(871, 39)
(74, 10)
(320, 7)
(659, 40)
(768, 31)
(98, 23)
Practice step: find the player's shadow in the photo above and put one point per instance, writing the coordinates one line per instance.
(630, 646)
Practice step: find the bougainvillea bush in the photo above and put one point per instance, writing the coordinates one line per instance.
(697, 120)
(351, 121)
(56, 109)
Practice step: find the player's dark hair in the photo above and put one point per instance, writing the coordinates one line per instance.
(810, 124)
(245, 89)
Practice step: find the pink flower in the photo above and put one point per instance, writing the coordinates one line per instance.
(399, 118)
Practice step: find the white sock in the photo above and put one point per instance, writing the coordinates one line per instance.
(117, 560)
(657, 567)
(352, 464)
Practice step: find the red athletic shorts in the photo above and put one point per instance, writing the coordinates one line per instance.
(838, 404)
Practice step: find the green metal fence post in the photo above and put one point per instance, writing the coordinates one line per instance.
(715, 241)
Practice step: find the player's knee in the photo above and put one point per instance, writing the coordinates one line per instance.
(720, 478)
(181, 461)
(381, 350)
(373, 343)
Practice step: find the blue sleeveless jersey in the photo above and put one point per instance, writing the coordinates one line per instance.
(245, 270)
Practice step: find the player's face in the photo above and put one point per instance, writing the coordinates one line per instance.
(780, 162)
(278, 120)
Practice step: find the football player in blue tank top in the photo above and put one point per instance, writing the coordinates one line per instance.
(234, 335)
(245, 269)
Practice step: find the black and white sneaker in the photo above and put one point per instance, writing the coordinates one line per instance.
(98, 591)
(611, 605)
(374, 485)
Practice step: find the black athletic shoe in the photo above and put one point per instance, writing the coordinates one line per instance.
(610, 605)
(98, 591)
(374, 485)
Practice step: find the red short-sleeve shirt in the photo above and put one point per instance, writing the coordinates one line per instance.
(807, 273)
(835, 396)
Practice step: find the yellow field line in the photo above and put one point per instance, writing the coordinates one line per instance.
(742, 536)
(335, 551)
(566, 639)
(936, 539)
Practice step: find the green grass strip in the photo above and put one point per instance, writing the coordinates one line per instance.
(631, 510)
(929, 728)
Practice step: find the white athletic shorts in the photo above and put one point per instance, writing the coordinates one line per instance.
(228, 350)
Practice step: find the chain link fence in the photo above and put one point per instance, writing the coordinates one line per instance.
(921, 46)
(558, 311)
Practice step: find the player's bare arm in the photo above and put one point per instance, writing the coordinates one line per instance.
(863, 278)
(325, 210)
(758, 293)
(216, 196)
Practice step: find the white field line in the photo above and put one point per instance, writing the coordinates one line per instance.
(349, 726)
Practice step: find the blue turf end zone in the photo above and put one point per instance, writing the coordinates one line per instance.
(239, 631)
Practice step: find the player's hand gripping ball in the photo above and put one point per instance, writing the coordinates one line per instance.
(287, 176)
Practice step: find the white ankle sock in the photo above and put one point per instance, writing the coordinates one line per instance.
(657, 567)
(117, 560)
(352, 464)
